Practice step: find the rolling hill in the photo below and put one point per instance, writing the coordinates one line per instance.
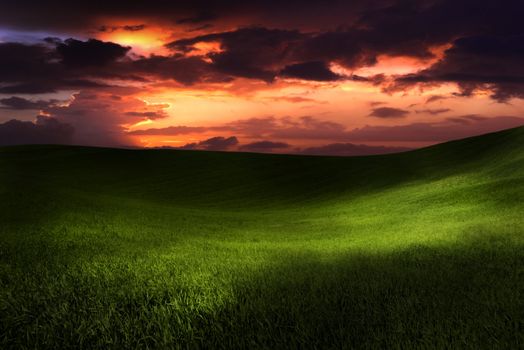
(115, 248)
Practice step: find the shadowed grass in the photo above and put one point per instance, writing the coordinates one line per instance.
(104, 248)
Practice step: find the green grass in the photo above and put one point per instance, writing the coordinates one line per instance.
(106, 248)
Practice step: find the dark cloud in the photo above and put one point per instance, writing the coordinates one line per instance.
(350, 149)
(388, 112)
(352, 33)
(478, 62)
(20, 103)
(397, 28)
(44, 130)
(262, 53)
(42, 87)
(73, 64)
(38, 68)
(264, 146)
(185, 70)
(92, 52)
(20, 62)
(253, 52)
(217, 143)
(63, 15)
(316, 70)
(484, 35)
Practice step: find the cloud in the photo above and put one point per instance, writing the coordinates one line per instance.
(19, 103)
(217, 143)
(128, 28)
(71, 65)
(363, 31)
(100, 119)
(152, 115)
(92, 52)
(316, 70)
(350, 149)
(280, 45)
(477, 62)
(451, 129)
(185, 70)
(40, 68)
(310, 129)
(44, 130)
(305, 127)
(435, 98)
(433, 111)
(170, 130)
(264, 146)
(388, 112)
(295, 99)
(203, 16)
(253, 52)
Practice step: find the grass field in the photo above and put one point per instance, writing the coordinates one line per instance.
(107, 248)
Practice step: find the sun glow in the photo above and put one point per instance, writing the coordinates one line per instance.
(144, 42)
(141, 123)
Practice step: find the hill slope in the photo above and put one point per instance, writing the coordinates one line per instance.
(158, 248)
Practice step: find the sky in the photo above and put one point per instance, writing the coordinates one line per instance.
(307, 77)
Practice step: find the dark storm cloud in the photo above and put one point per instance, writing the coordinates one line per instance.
(350, 149)
(264, 146)
(20, 103)
(44, 131)
(388, 112)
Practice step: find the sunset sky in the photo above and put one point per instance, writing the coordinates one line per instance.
(309, 76)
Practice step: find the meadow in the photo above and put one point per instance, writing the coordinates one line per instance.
(159, 249)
